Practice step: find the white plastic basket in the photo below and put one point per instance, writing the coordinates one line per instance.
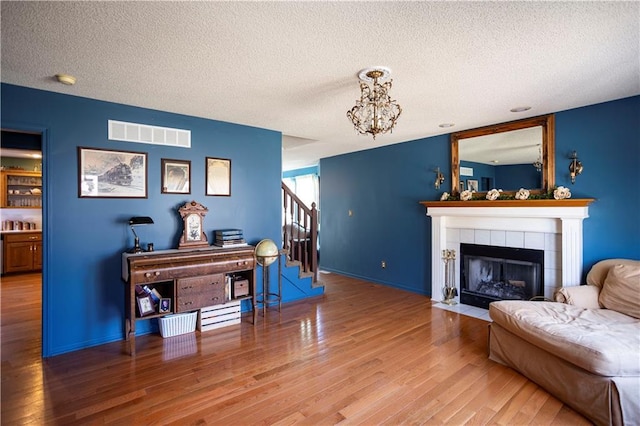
(174, 325)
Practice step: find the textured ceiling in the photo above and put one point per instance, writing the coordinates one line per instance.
(292, 66)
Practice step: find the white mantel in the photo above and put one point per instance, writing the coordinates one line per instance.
(535, 220)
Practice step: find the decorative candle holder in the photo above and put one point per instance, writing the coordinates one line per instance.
(449, 290)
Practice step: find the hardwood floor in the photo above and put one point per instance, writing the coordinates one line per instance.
(361, 354)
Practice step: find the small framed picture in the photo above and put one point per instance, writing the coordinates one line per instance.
(472, 185)
(218, 176)
(176, 176)
(165, 306)
(461, 185)
(145, 305)
(111, 174)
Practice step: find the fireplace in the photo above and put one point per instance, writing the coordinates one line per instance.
(490, 273)
(554, 226)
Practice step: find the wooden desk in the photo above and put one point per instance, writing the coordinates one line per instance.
(192, 279)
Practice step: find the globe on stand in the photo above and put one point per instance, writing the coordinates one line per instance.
(266, 252)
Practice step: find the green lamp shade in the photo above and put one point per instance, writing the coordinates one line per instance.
(266, 252)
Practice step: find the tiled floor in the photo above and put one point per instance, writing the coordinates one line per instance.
(468, 310)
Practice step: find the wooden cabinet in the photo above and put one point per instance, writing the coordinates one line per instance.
(199, 292)
(192, 278)
(22, 252)
(20, 189)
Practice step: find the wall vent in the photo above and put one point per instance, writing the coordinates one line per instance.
(155, 135)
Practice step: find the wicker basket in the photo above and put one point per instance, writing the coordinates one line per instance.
(174, 325)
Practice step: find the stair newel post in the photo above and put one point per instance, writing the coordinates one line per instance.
(314, 242)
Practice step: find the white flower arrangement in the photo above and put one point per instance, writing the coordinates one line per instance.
(493, 194)
(445, 196)
(522, 194)
(466, 195)
(561, 193)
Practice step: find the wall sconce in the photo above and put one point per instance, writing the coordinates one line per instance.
(575, 167)
(137, 221)
(439, 178)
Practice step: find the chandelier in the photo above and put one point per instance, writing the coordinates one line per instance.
(538, 163)
(375, 112)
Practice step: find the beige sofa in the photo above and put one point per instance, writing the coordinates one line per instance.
(584, 350)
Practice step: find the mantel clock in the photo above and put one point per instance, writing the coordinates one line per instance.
(193, 235)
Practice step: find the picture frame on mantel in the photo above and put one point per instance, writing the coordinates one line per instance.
(472, 185)
(106, 173)
(218, 177)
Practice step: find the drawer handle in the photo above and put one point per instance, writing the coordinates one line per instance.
(33, 238)
(188, 303)
(214, 283)
(187, 287)
(215, 298)
(147, 274)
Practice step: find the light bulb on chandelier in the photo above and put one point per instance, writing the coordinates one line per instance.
(375, 112)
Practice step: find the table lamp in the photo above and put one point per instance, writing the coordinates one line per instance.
(136, 221)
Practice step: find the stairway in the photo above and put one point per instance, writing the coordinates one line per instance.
(300, 237)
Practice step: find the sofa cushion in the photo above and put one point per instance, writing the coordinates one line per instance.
(583, 296)
(601, 341)
(599, 271)
(621, 290)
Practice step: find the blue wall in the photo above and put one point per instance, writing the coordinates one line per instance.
(502, 177)
(516, 176)
(480, 170)
(313, 170)
(607, 139)
(383, 186)
(83, 295)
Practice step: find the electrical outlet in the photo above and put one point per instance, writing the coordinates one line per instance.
(383, 264)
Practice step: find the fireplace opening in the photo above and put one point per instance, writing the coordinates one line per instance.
(489, 273)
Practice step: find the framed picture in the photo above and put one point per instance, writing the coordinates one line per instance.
(104, 173)
(176, 176)
(145, 305)
(472, 185)
(218, 177)
(165, 306)
(461, 185)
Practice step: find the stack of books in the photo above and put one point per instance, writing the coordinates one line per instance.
(229, 238)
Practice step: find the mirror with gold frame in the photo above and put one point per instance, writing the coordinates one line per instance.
(512, 147)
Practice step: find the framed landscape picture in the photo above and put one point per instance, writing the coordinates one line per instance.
(218, 176)
(176, 176)
(104, 173)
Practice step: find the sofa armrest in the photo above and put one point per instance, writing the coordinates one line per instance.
(583, 296)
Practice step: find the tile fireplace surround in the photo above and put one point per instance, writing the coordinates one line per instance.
(554, 226)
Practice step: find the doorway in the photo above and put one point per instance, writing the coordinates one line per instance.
(22, 219)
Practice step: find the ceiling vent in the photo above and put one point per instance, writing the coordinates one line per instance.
(155, 135)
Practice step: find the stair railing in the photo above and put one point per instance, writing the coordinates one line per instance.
(300, 233)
